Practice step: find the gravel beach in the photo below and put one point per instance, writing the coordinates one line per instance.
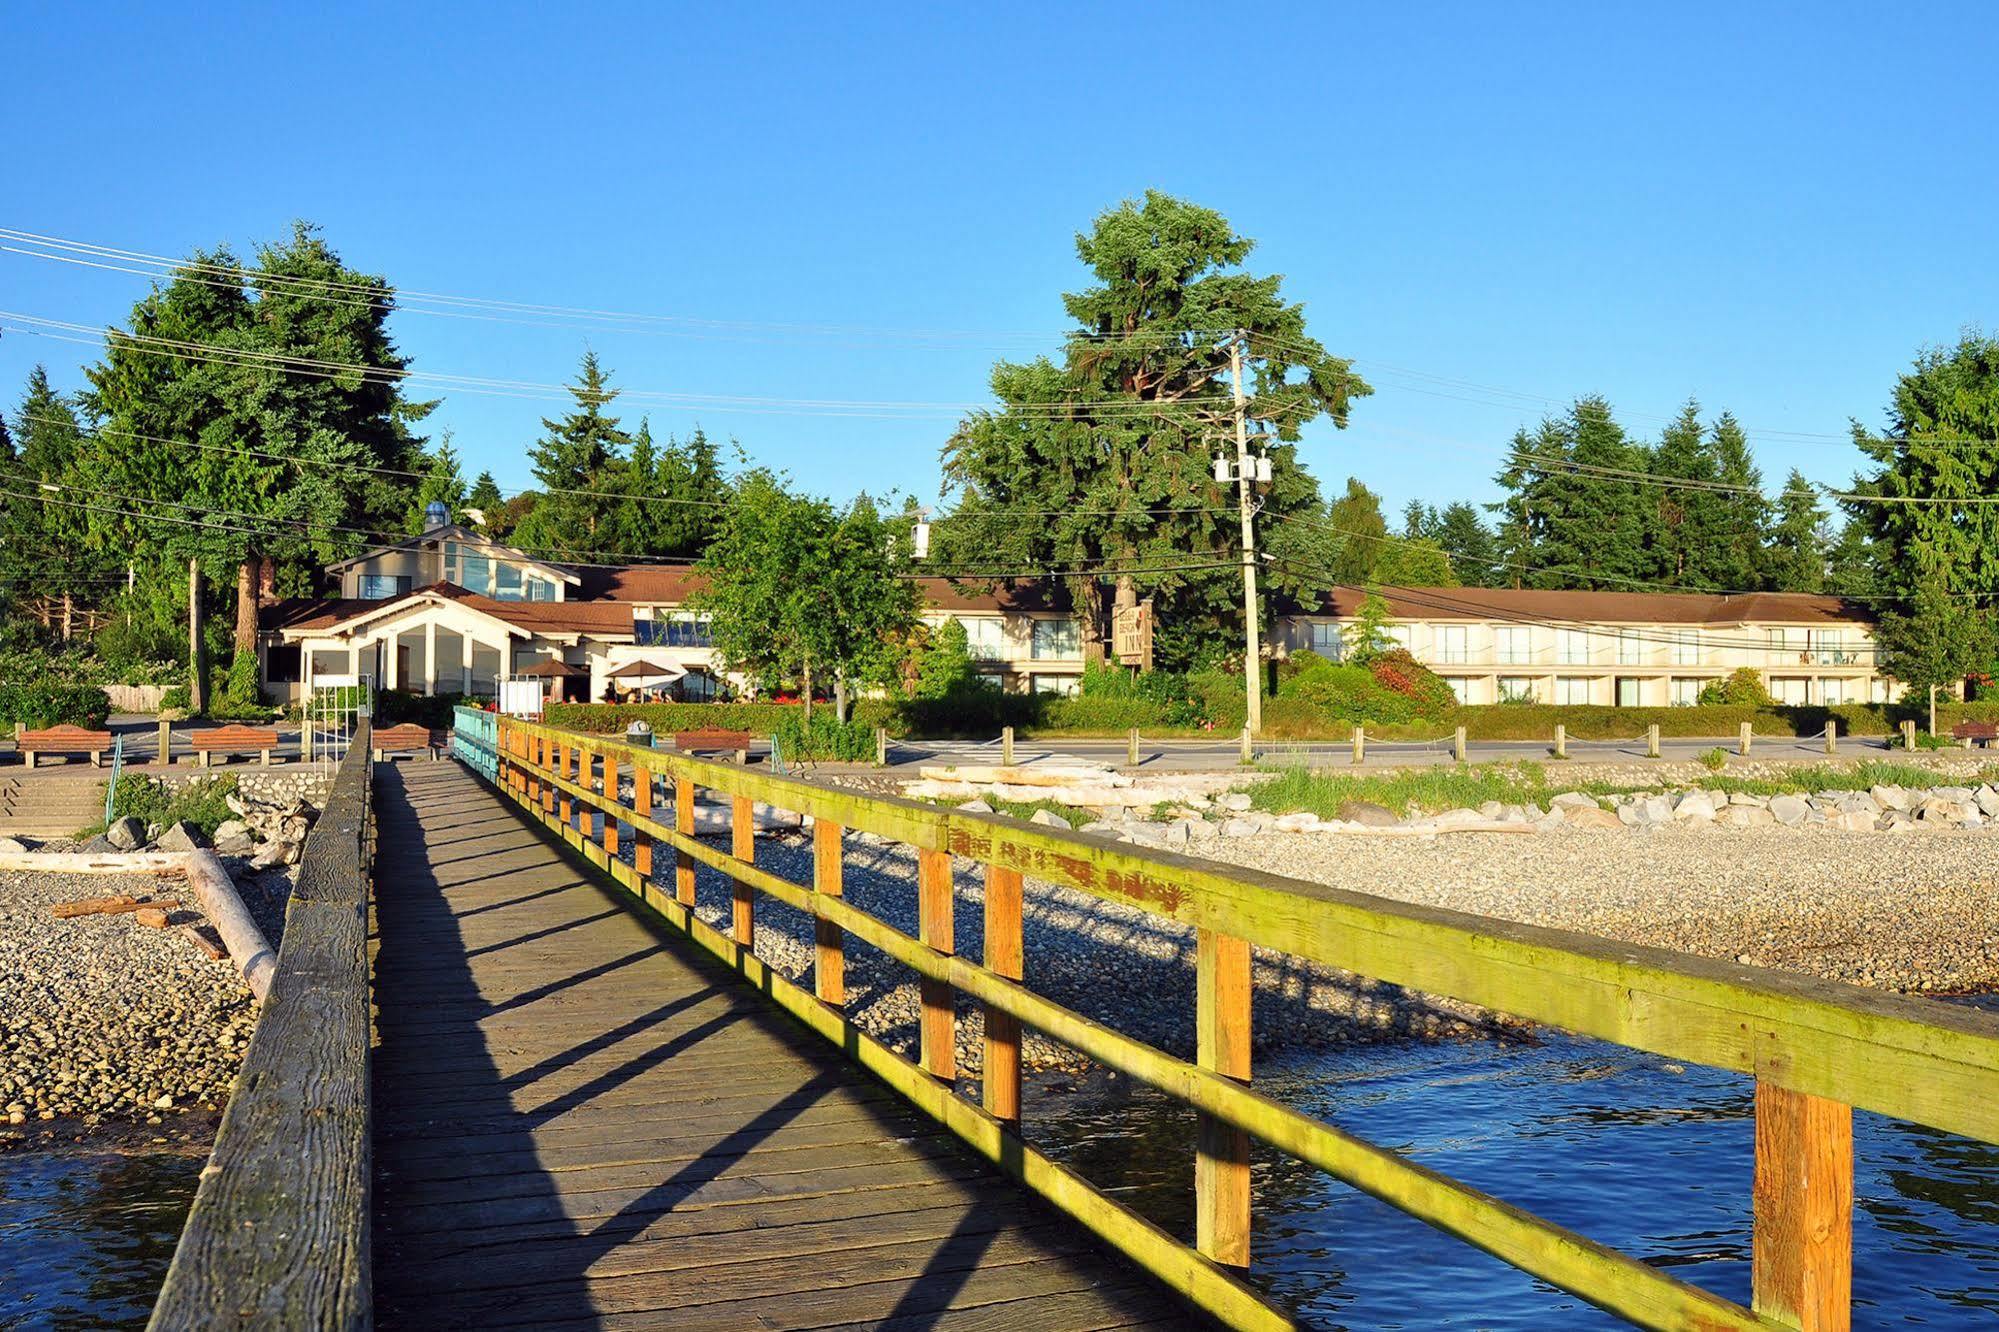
(106, 1022)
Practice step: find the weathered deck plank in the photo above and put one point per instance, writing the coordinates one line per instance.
(581, 1122)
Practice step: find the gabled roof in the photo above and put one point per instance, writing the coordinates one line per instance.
(601, 618)
(459, 532)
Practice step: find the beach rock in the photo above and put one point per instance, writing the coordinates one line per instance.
(1645, 812)
(1234, 801)
(1102, 829)
(1987, 801)
(1789, 810)
(1852, 821)
(1745, 816)
(1368, 814)
(1301, 822)
(1573, 800)
(127, 834)
(975, 807)
(1241, 827)
(180, 836)
(99, 845)
(1891, 797)
(1458, 818)
(1594, 816)
(1695, 807)
(232, 838)
(1049, 820)
(12, 846)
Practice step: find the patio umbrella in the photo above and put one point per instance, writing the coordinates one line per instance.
(552, 670)
(646, 670)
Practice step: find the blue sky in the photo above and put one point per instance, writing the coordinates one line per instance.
(1769, 207)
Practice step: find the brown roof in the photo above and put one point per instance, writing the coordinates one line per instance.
(1580, 606)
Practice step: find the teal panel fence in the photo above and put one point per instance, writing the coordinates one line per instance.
(475, 740)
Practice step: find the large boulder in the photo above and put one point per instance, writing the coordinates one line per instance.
(1048, 819)
(180, 836)
(1574, 800)
(1304, 821)
(1368, 814)
(232, 838)
(1694, 807)
(127, 834)
(1596, 816)
(1987, 801)
(12, 846)
(1235, 801)
(1853, 820)
(1745, 816)
(1789, 810)
(1645, 812)
(1891, 797)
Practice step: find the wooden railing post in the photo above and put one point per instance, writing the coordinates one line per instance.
(1359, 744)
(641, 839)
(563, 753)
(1222, 1033)
(937, 1027)
(1831, 735)
(683, 823)
(1652, 740)
(1131, 748)
(1561, 741)
(611, 803)
(743, 845)
(1000, 1089)
(1802, 1245)
(829, 965)
(1460, 748)
(534, 743)
(1908, 735)
(1006, 745)
(1742, 745)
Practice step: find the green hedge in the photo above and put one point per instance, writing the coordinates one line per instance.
(762, 719)
(38, 704)
(1504, 721)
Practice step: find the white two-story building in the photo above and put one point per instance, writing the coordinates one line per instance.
(1630, 649)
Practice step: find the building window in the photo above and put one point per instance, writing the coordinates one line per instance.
(1834, 691)
(1773, 640)
(1571, 690)
(1453, 644)
(985, 639)
(1328, 641)
(507, 582)
(1630, 648)
(1687, 691)
(1055, 684)
(1516, 689)
(281, 664)
(656, 626)
(380, 587)
(1572, 647)
(1687, 647)
(1627, 692)
(1056, 640)
(1399, 634)
(1513, 642)
(1791, 690)
(540, 589)
(1460, 687)
(1828, 647)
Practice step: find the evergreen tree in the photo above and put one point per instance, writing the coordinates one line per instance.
(1467, 544)
(1569, 522)
(48, 548)
(442, 483)
(1362, 533)
(1734, 559)
(690, 475)
(1101, 460)
(486, 499)
(579, 452)
(1800, 540)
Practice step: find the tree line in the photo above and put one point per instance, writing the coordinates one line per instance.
(256, 419)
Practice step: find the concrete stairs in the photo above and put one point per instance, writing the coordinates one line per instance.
(46, 803)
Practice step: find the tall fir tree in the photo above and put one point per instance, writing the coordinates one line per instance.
(486, 499)
(576, 453)
(1799, 541)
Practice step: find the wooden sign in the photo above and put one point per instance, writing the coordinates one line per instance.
(1131, 635)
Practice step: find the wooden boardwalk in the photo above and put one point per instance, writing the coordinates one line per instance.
(581, 1121)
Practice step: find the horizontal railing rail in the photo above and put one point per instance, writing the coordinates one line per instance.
(278, 1235)
(1815, 1048)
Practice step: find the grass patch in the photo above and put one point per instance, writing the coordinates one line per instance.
(1324, 791)
(201, 803)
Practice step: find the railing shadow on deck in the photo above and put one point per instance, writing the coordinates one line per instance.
(277, 1235)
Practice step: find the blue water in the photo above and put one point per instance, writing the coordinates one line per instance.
(86, 1237)
(1644, 1155)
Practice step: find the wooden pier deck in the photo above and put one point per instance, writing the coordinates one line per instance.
(580, 1120)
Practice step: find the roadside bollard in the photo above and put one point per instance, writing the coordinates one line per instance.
(1743, 746)
(1652, 740)
(166, 742)
(1131, 748)
(1359, 744)
(1459, 749)
(1909, 735)
(881, 746)
(1561, 741)
(1831, 736)
(1248, 753)
(1006, 746)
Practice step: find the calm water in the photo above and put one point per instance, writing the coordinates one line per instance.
(1644, 1155)
(85, 1238)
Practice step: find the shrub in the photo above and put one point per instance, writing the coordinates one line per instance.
(666, 718)
(1742, 688)
(827, 739)
(40, 703)
(1714, 760)
(205, 804)
(393, 706)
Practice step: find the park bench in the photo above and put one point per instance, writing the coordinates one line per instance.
(406, 738)
(1975, 733)
(211, 740)
(714, 741)
(64, 740)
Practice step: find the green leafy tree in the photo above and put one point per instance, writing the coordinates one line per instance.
(798, 590)
(1362, 533)
(576, 453)
(945, 669)
(1937, 638)
(1099, 461)
(1365, 636)
(200, 404)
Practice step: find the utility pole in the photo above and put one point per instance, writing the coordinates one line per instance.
(1245, 470)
